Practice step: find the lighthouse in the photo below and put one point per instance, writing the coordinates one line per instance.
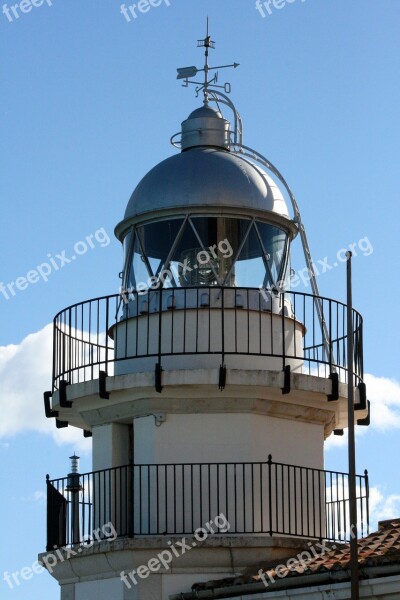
(207, 385)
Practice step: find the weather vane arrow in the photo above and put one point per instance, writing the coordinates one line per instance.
(187, 73)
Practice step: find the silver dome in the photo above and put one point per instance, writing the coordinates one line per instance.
(206, 178)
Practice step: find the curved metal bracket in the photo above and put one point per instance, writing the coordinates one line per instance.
(219, 97)
(241, 150)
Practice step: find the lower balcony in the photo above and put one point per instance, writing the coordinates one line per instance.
(257, 498)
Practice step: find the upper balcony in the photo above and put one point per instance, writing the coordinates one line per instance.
(204, 327)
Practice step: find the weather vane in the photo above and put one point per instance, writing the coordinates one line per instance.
(188, 72)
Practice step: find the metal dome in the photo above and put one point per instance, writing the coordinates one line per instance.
(206, 179)
(205, 111)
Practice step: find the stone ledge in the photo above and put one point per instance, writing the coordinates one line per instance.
(216, 554)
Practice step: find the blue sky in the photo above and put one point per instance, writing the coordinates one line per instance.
(88, 106)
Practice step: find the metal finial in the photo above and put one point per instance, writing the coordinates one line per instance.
(207, 43)
(73, 484)
(187, 72)
(74, 463)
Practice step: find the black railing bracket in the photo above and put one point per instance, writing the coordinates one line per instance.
(158, 378)
(362, 390)
(104, 395)
(222, 377)
(334, 395)
(64, 403)
(367, 421)
(50, 414)
(286, 380)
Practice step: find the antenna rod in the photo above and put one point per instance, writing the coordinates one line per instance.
(206, 66)
(351, 450)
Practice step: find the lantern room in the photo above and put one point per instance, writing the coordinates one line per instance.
(206, 217)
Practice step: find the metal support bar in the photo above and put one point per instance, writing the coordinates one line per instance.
(102, 386)
(241, 150)
(334, 396)
(354, 568)
(286, 380)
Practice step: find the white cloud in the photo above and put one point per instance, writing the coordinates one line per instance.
(336, 441)
(72, 436)
(39, 496)
(385, 402)
(384, 395)
(25, 373)
(381, 507)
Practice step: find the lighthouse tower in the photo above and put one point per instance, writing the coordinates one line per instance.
(207, 385)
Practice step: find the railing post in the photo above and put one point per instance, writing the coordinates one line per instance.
(285, 368)
(222, 370)
(158, 367)
(283, 332)
(129, 503)
(367, 498)
(107, 328)
(70, 364)
(55, 361)
(330, 337)
(269, 463)
(49, 515)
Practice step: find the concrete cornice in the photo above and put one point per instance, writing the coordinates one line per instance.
(196, 391)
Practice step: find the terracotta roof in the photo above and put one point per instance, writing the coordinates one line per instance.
(379, 548)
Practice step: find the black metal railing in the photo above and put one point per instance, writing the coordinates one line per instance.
(102, 334)
(177, 499)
